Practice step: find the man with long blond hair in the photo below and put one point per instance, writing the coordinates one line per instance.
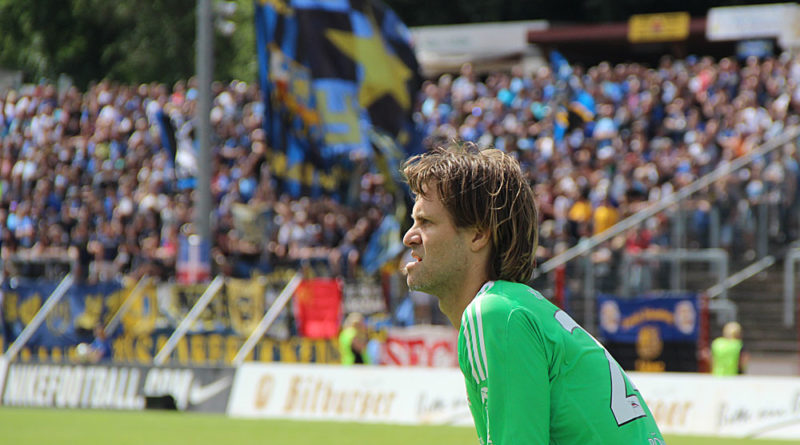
(533, 375)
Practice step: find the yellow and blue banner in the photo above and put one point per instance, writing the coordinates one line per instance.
(70, 322)
(651, 332)
(332, 73)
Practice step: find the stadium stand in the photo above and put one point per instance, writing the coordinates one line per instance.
(97, 182)
(86, 174)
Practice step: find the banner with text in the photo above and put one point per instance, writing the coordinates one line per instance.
(362, 394)
(740, 406)
(651, 333)
(71, 321)
(116, 387)
(421, 345)
(682, 403)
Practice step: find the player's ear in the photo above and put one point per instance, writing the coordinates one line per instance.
(480, 239)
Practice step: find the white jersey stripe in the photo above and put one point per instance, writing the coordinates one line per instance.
(482, 344)
(477, 358)
(470, 359)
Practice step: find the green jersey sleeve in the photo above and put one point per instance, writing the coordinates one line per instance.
(534, 376)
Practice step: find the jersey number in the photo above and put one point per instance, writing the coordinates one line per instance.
(624, 406)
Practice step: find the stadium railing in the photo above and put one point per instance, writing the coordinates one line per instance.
(586, 246)
(584, 274)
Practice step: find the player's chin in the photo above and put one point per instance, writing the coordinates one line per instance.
(414, 283)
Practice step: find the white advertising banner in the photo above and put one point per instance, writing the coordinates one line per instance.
(421, 345)
(740, 406)
(750, 22)
(357, 393)
(692, 404)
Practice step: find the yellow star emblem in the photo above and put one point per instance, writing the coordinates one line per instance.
(384, 72)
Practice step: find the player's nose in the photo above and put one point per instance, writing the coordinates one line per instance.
(411, 237)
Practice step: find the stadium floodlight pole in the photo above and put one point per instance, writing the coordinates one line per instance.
(205, 71)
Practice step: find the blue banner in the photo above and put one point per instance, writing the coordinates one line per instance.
(675, 317)
(70, 322)
(332, 72)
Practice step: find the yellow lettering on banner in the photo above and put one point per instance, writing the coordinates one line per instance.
(25, 354)
(41, 351)
(2, 343)
(340, 400)
(311, 395)
(291, 398)
(144, 349)
(245, 300)
(264, 350)
(287, 354)
(320, 351)
(140, 319)
(56, 355)
(388, 403)
(29, 308)
(231, 348)
(112, 303)
(93, 308)
(10, 302)
(198, 349)
(304, 350)
(263, 391)
(123, 348)
(315, 397)
(160, 342)
(648, 314)
(215, 351)
(670, 413)
(183, 351)
(72, 353)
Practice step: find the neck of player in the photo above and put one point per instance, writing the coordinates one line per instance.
(454, 304)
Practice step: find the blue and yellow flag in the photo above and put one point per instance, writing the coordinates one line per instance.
(332, 72)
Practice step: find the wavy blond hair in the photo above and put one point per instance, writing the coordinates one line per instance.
(485, 189)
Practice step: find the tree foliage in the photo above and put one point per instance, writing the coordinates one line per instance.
(124, 40)
(153, 40)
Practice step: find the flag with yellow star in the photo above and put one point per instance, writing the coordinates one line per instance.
(334, 73)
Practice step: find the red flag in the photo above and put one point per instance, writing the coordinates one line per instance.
(318, 307)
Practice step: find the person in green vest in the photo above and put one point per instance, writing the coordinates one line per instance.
(353, 340)
(727, 357)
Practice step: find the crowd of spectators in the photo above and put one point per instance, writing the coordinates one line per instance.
(88, 175)
(646, 133)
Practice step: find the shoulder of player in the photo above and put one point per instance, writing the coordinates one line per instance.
(498, 300)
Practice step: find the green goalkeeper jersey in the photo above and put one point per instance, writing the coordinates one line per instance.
(534, 376)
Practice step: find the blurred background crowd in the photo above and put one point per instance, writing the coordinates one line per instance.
(95, 176)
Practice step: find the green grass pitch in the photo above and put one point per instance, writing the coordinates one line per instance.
(26, 426)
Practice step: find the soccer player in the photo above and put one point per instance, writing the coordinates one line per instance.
(533, 375)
